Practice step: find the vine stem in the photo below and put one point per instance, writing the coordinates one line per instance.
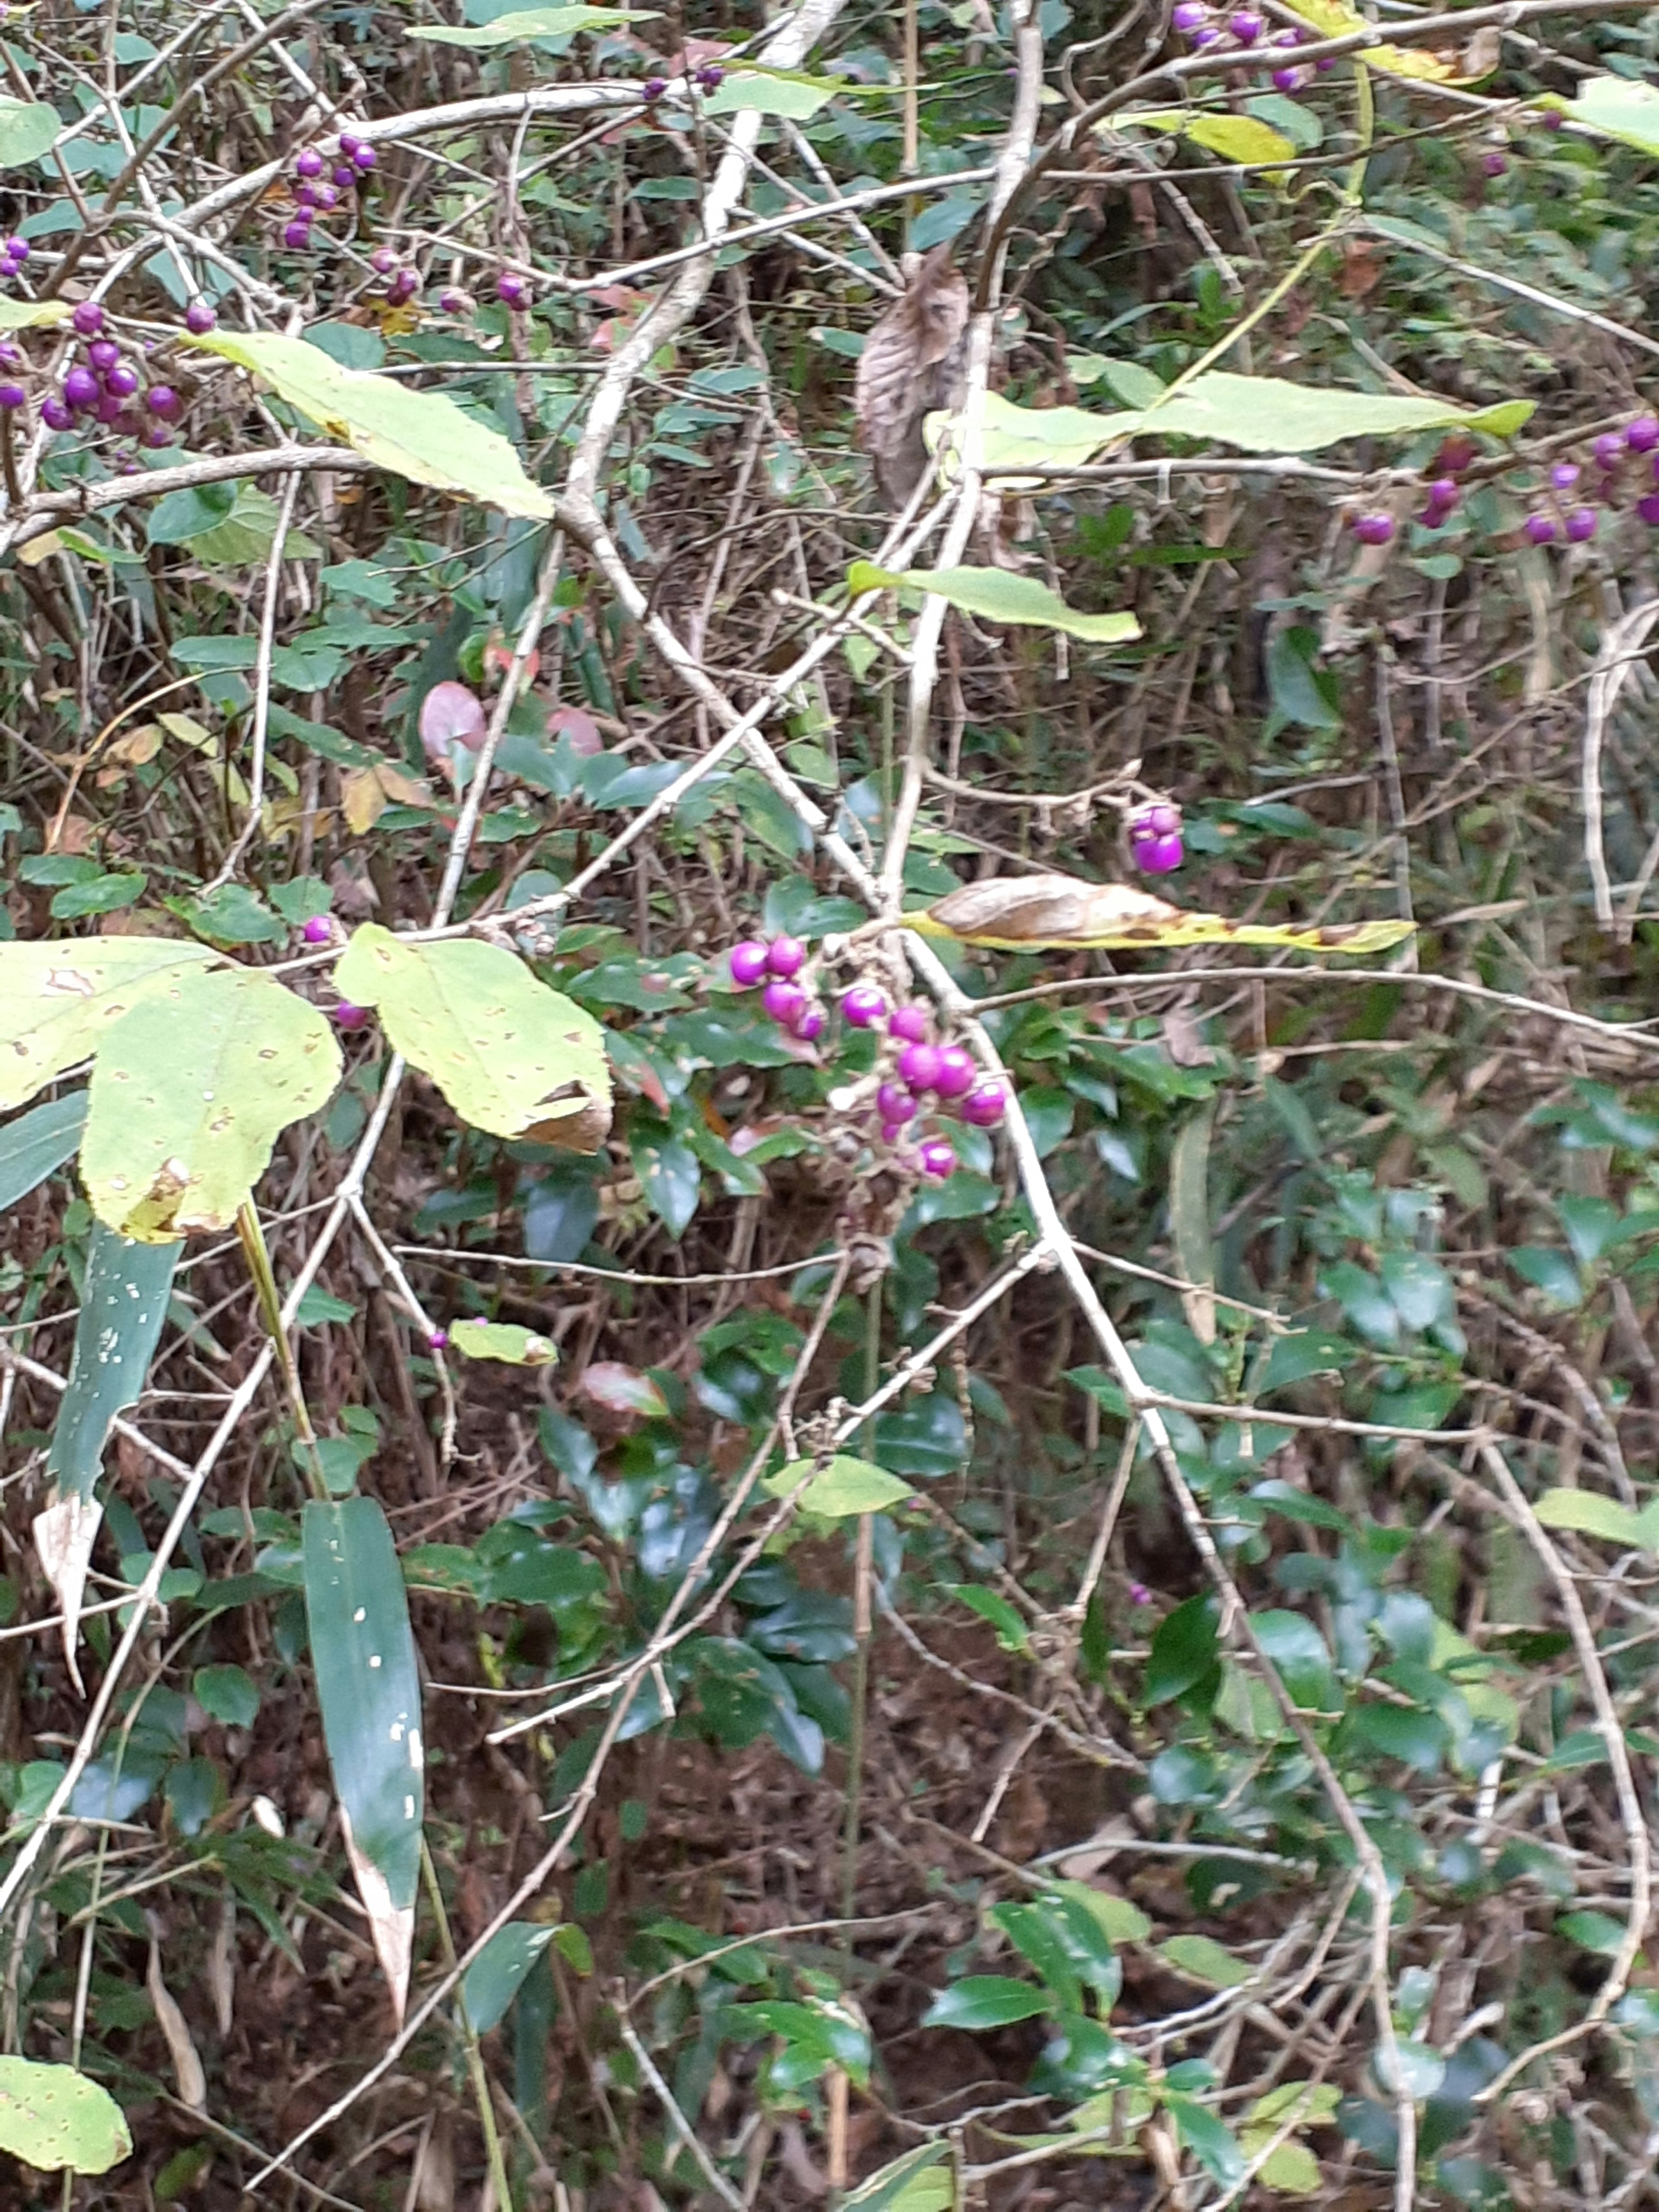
(470, 2035)
(862, 1562)
(252, 1238)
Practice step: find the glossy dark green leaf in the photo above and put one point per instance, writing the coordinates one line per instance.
(37, 1142)
(986, 2001)
(1184, 1651)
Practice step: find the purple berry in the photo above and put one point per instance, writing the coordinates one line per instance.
(199, 318)
(404, 286)
(87, 319)
(1443, 492)
(109, 408)
(1163, 820)
(909, 1024)
(654, 87)
(297, 234)
(103, 353)
(1642, 435)
(383, 261)
(56, 415)
(511, 289)
(809, 1027)
(1539, 530)
(918, 1064)
(307, 197)
(1246, 27)
(893, 1133)
(1139, 1595)
(785, 957)
(985, 1105)
(12, 396)
(364, 158)
(1493, 164)
(11, 357)
(347, 1016)
(747, 961)
(1373, 529)
(955, 1078)
(1157, 856)
(17, 250)
(863, 1006)
(1189, 15)
(349, 142)
(1608, 449)
(437, 1340)
(1552, 119)
(938, 1158)
(156, 436)
(327, 199)
(1286, 80)
(1208, 36)
(344, 175)
(1647, 508)
(162, 402)
(81, 388)
(308, 163)
(785, 1002)
(320, 930)
(1565, 474)
(711, 76)
(893, 1103)
(121, 381)
(452, 303)
(1581, 524)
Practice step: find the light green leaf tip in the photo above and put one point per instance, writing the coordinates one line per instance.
(844, 1489)
(996, 595)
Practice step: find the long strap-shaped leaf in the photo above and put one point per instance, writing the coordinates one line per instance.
(363, 1652)
(39, 1141)
(1062, 914)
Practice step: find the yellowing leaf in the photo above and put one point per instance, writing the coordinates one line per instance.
(1240, 138)
(366, 793)
(57, 1000)
(33, 314)
(1017, 914)
(1292, 2169)
(1333, 20)
(511, 1056)
(506, 1340)
(189, 1092)
(53, 2116)
(1121, 1920)
(997, 594)
(843, 1489)
(530, 23)
(422, 435)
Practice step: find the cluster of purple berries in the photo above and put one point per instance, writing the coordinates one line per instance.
(1241, 34)
(709, 78)
(1155, 844)
(921, 1069)
(102, 384)
(1569, 517)
(12, 254)
(320, 184)
(403, 281)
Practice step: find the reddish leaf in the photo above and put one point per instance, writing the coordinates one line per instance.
(451, 715)
(623, 1389)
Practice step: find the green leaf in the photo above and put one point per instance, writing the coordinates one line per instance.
(998, 595)
(842, 1490)
(1238, 138)
(1292, 2169)
(1551, 1272)
(530, 23)
(37, 1142)
(1296, 1651)
(53, 2116)
(767, 92)
(1210, 2141)
(57, 1001)
(1619, 108)
(363, 1654)
(243, 537)
(28, 129)
(512, 1057)
(1204, 1960)
(1184, 1650)
(1592, 1515)
(188, 1093)
(494, 1978)
(1120, 1921)
(1011, 1629)
(912, 2182)
(422, 435)
(669, 1170)
(985, 2001)
(228, 1693)
(1416, 2068)
(124, 1303)
(1593, 1931)
(506, 1340)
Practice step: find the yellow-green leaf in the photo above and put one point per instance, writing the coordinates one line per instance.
(1240, 138)
(57, 1001)
(53, 2116)
(511, 1056)
(843, 1489)
(190, 1089)
(998, 595)
(1619, 108)
(1120, 1921)
(1292, 2169)
(422, 435)
(1333, 20)
(506, 1340)
(1203, 1959)
(33, 314)
(1021, 913)
(530, 23)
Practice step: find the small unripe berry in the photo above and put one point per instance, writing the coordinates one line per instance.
(747, 961)
(383, 261)
(918, 1064)
(12, 396)
(199, 318)
(785, 957)
(347, 1016)
(320, 930)
(121, 381)
(1608, 449)
(453, 302)
(1373, 529)
(308, 163)
(103, 353)
(1246, 27)
(909, 1024)
(1642, 435)
(163, 401)
(296, 234)
(654, 87)
(785, 1002)
(87, 319)
(1581, 524)
(955, 1078)
(56, 415)
(1565, 474)
(1539, 528)
(808, 1026)
(1157, 856)
(938, 1158)
(893, 1103)
(81, 387)
(862, 1006)
(985, 1105)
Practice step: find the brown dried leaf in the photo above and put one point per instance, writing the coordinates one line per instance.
(63, 1537)
(1063, 912)
(911, 366)
(181, 2046)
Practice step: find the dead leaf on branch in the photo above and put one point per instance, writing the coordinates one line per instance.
(912, 365)
(1022, 914)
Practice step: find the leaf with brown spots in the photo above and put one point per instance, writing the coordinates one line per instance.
(911, 364)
